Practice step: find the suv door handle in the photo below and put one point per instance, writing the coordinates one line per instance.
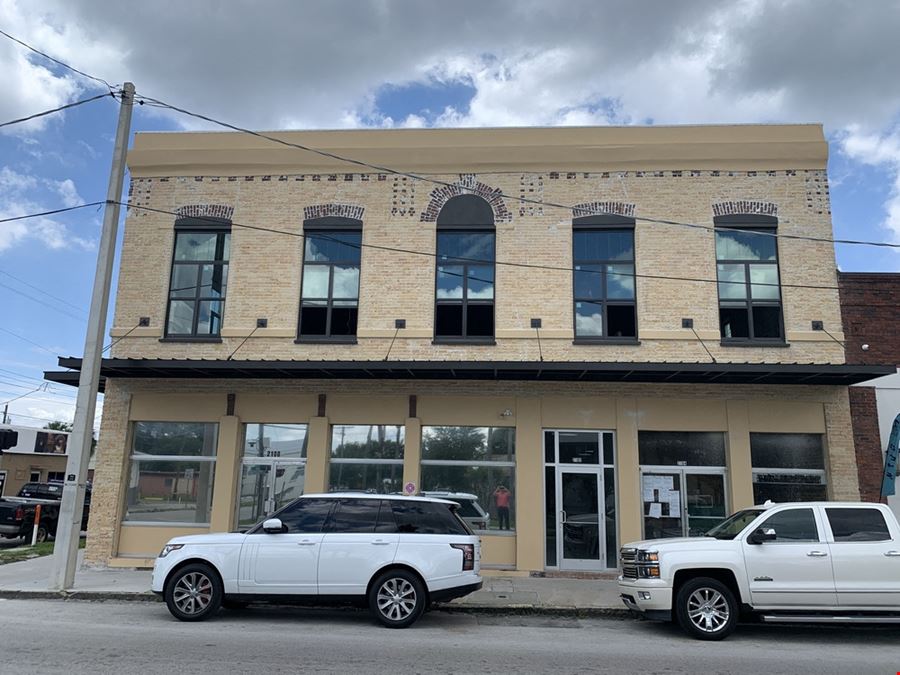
(817, 554)
(892, 554)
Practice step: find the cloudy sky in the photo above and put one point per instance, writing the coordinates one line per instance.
(359, 63)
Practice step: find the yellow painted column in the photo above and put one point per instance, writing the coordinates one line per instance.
(740, 467)
(628, 471)
(529, 486)
(318, 450)
(412, 452)
(228, 470)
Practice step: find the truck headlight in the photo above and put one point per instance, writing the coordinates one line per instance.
(168, 548)
(648, 556)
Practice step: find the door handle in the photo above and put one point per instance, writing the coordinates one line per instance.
(306, 542)
(817, 554)
(380, 542)
(892, 554)
(562, 516)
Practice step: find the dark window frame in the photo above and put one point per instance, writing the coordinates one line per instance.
(326, 226)
(187, 226)
(463, 215)
(606, 224)
(767, 225)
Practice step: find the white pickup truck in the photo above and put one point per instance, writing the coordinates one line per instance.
(797, 562)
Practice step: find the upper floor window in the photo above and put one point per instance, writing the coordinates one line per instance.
(604, 289)
(329, 305)
(749, 288)
(464, 288)
(199, 278)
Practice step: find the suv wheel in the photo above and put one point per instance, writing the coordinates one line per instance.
(397, 598)
(193, 593)
(706, 609)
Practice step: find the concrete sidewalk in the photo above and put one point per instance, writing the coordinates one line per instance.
(501, 593)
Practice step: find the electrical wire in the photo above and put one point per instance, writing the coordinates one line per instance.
(518, 198)
(31, 342)
(57, 61)
(59, 310)
(506, 263)
(42, 291)
(52, 212)
(54, 110)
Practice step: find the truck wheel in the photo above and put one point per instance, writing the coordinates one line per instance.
(42, 534)
(706, 609)
(397, 598)
(193, 593)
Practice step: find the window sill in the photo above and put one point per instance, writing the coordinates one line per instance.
(209, 340)
(755, 344)
(464, 341)
(325, 341)
(607, 341)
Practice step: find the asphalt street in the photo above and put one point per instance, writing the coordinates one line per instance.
(50, 636)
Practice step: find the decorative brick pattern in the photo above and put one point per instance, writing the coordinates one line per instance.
(603, 209)
(531, 186)
(205, 211)
(340, 210)
(817, 196)
(745, 207)
(468, 184)
(403, 202)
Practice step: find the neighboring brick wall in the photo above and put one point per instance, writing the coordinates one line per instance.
(870, 306)
(264, 276)
(866, 439)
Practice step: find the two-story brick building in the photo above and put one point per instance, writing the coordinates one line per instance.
(585, 335)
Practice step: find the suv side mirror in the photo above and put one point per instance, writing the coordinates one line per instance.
(760, 535)
(274, 526)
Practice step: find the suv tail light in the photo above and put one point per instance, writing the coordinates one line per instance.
(468, 551)
(20, 513)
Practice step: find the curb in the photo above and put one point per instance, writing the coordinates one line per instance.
(518, 610)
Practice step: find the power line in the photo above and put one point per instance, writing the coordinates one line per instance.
(42, 302)
(54, 110)
(506, 263)
(518, 198)
(40, 290)
(31, 342)
(57, 61)
(50, 213)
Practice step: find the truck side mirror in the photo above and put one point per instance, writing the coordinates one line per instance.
(273, 526)
(760, 535)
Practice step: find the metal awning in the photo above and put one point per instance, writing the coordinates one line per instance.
(539, 371)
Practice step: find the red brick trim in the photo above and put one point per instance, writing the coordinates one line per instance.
(205, 211)
(603, 209)
(341, 210)
(867, 442)
(745, 207)
(467, 184)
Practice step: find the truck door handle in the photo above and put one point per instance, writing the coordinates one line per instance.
(893, 554)
(380, 542)
(817, 554)
(306, 542)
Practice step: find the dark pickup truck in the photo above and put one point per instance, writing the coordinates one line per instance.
(17, 513)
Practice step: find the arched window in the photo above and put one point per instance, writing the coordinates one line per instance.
(604, 282)
(749, 287)
(329, 292)
(464, 287)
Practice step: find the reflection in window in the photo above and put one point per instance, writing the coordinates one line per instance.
(604, 282)
(171, 473)
(788, 467)
(198, 283)
(329, 303)
(367, 458)
(681, 448)
(464, 278)
(749, 287)
(287, 441)
(475, 467)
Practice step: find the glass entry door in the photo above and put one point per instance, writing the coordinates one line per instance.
(581, 527)
(682, 502)
(266, 486)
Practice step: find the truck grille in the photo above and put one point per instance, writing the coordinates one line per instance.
(628, 555)
(629, 572)
(628, 558)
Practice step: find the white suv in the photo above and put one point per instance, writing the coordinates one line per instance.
(396, 554)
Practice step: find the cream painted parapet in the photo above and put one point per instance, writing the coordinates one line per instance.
(628, 471)
(740, 466)
(318, 450)
(228, 469)
(529, 485)
(412, 451)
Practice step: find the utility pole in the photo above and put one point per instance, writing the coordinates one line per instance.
(62, 575)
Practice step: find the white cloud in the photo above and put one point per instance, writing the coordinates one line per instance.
(880, 150)
(67, 192)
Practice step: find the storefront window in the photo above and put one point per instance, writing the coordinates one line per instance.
(681, 448)
(788, 467)
(171, 473)
(476, 467)
(366, 458)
